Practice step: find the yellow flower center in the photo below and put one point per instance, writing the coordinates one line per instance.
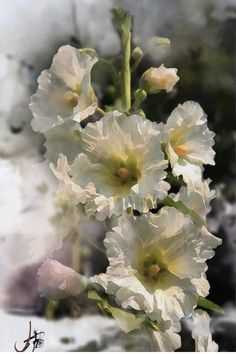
(180, 149)
(120, 174)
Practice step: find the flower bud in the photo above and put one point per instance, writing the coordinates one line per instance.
(156, 79)
(56, 281)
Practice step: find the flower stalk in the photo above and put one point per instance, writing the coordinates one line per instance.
(126, 75)
(122, 21)
(145, 177)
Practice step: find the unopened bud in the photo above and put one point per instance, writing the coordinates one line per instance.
(156, 79)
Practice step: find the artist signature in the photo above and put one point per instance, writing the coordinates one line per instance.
(35, 339)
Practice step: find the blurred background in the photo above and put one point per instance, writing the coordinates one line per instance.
(202, 34)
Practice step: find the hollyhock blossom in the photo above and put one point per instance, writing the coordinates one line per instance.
(154, 262)
(56, 281)
(64, 91)
(202, 334)
(63, 139)
(197, 198)
(156, 79)
(122, 159)
(188, 141)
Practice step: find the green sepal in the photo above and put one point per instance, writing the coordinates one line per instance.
(89, 51)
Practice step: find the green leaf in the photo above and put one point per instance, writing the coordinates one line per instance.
(207, 304)
(184, 209)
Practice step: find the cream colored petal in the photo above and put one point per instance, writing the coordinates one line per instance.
(62, 139)
(64, 90)
(191, 173)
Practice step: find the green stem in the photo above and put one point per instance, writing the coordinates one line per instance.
(126, 73)
(74, 308)
(51, 309)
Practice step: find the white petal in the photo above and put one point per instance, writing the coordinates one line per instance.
(64, 91)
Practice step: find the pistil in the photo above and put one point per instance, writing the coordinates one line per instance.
(153, 270)
(123, 173)
(180, 149)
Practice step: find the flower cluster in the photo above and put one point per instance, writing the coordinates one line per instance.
(118, 165)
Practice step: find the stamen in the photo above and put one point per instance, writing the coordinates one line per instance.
(74, 100)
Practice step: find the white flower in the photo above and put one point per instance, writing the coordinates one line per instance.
(64, 90)
(197, 198)
(56, 281)
(202, 334)
(156, 79)
(122, 159)
(63, 139)
(188, 141)
(154, 259)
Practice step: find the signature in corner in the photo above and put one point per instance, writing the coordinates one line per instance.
(35, 339)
